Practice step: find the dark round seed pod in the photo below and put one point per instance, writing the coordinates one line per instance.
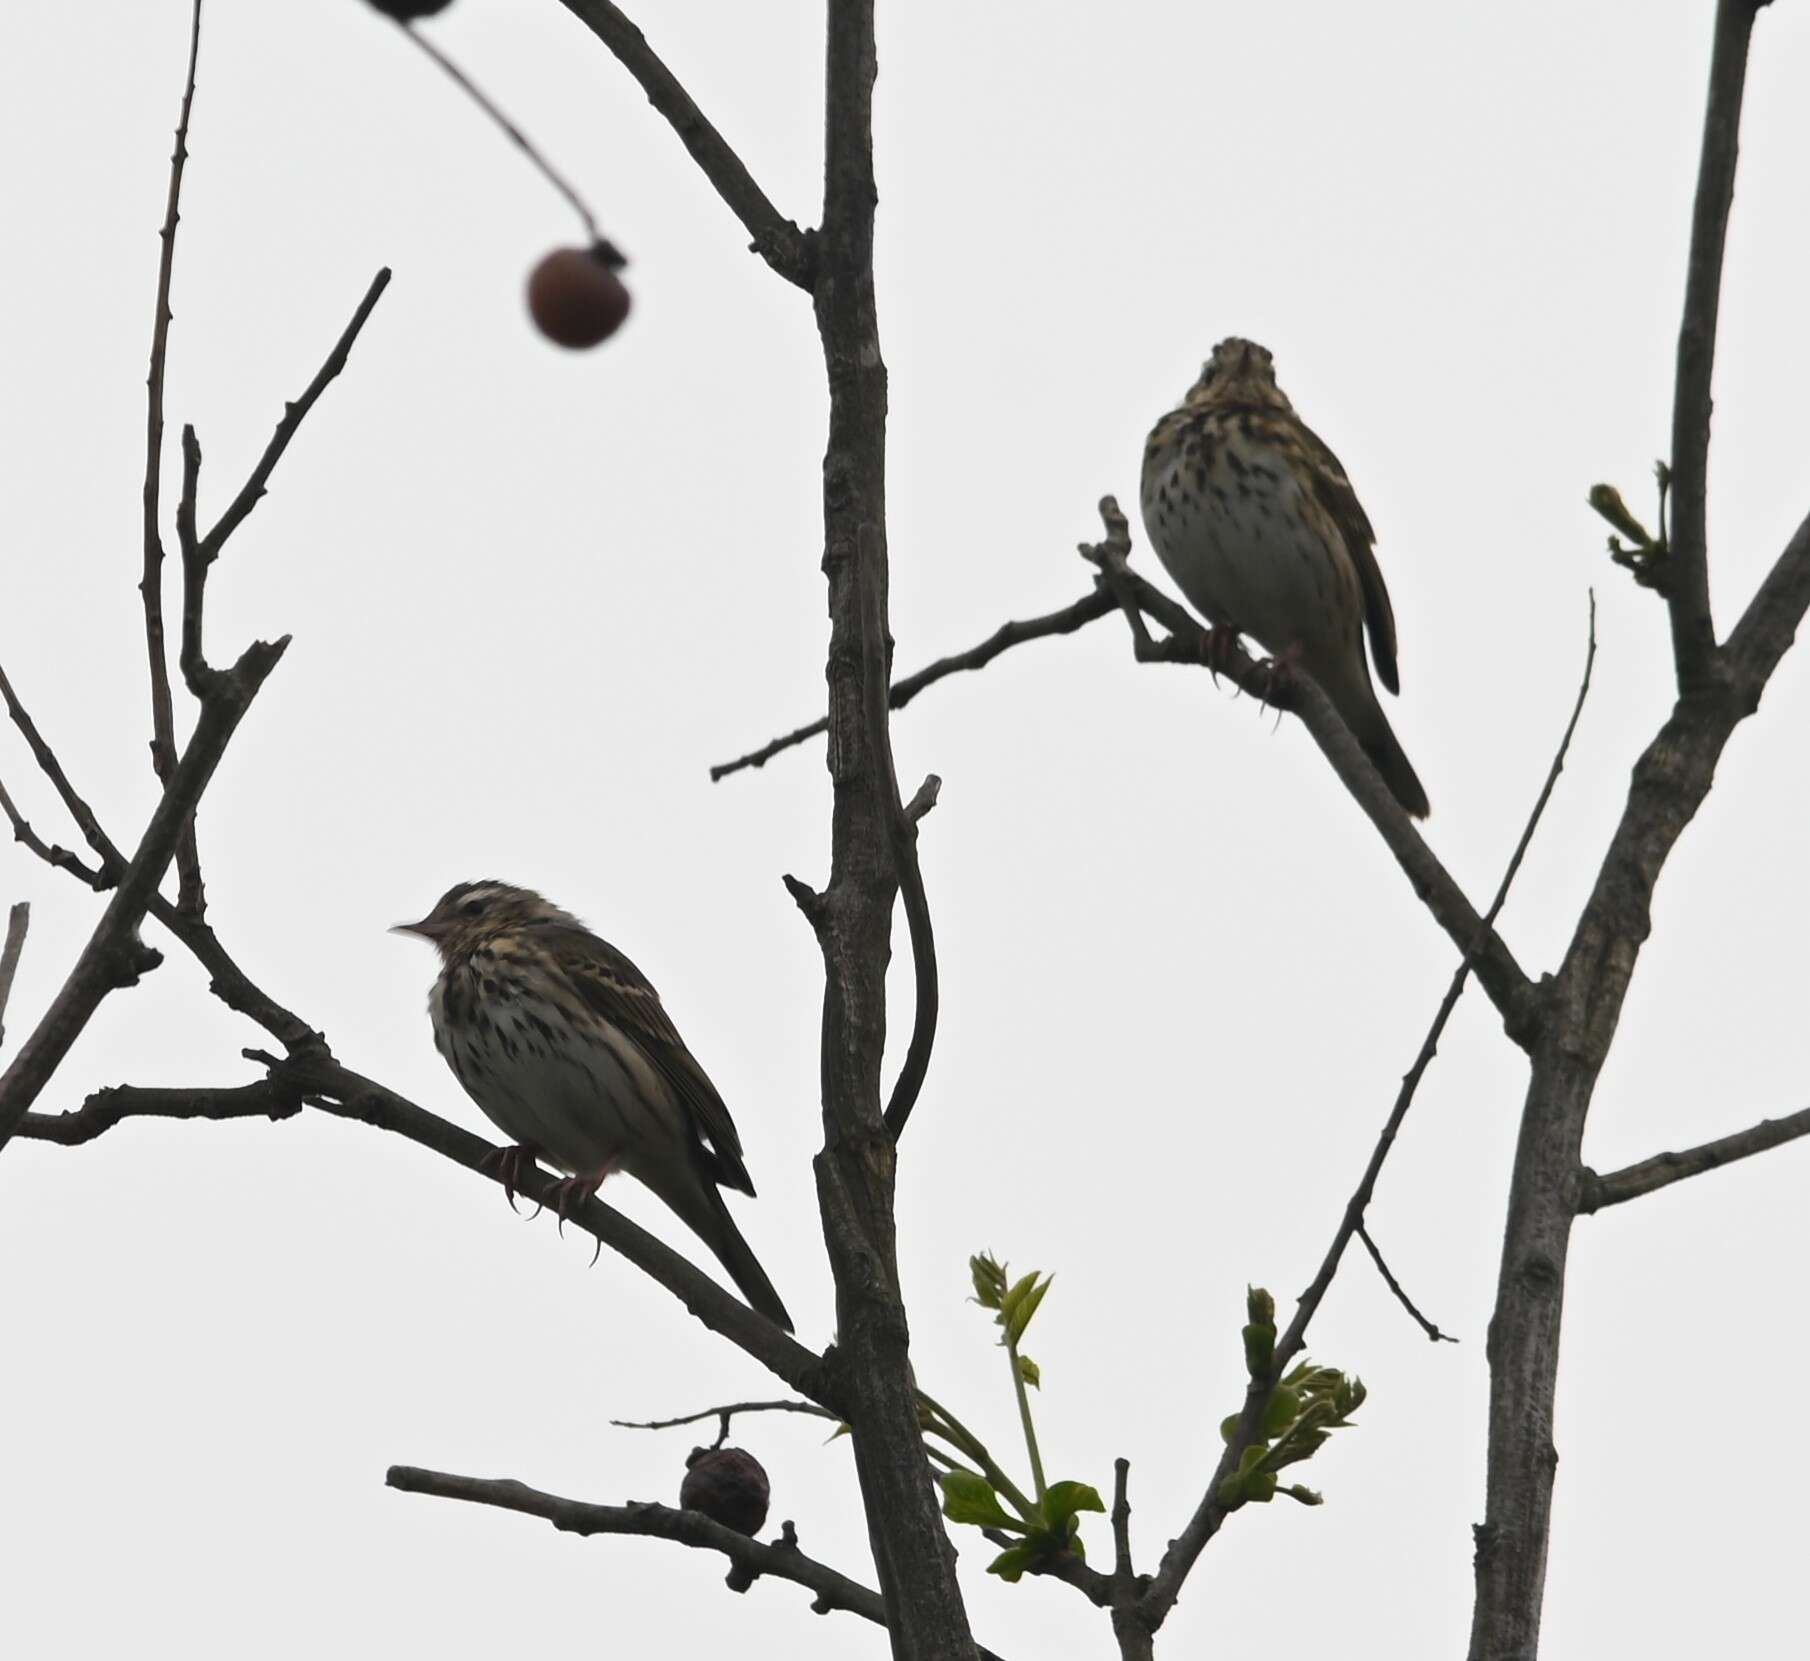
(405, 11)
(575, 297)
(728, 1486)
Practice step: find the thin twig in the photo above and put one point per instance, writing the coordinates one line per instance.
(114, 955)
(262, 1098)
(18, 920)
(1663, 1169)
(51, 853)
(1088, 609)
(776, 239)
(782, 1560)
(1686, 576)
(52, 769)
(191, 896)
(1401, 1296)
(1121, 1521)
(1189, 642)
(228, 981)
(514, 133)
(727, 1412)
(1166, 1585)
(293, 415)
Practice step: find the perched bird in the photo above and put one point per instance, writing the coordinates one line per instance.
(565, 1046)
(1257, 523)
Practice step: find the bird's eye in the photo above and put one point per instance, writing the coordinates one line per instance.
(472, 908)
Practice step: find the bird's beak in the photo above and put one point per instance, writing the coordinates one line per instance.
(426, 928)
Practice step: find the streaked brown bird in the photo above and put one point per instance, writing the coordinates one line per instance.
(564, 1044)
(1256, 521)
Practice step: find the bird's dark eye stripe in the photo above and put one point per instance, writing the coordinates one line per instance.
(472, 907)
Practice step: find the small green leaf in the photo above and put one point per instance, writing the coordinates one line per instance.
(1298, 1445)
(1061, 1500)
(1011, 1563)
(1259, 1306)
(1260, 1487)
(989, 1280)
(1305, 1495)
(840, 1430)
(1020, 1306)
(1030, 1372)
(1228, 1426)
(969, 1498)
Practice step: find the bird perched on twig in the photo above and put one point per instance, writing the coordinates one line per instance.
(1256, 521)
(562, 1042)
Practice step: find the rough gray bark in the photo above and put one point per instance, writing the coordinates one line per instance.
(853, 916)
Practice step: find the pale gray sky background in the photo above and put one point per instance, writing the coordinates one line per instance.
(534, 595)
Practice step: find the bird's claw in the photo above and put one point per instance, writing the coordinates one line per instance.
(508, 1166)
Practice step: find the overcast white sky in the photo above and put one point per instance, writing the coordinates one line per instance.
(533, 595)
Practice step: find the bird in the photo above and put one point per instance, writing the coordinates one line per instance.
(568, 1050)
(1255, 519)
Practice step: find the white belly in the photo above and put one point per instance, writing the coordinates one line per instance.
(585, 1097)
(1250, 551)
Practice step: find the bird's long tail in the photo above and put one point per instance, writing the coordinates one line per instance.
(735, 1254)
(696, 1201)
(1389, 759)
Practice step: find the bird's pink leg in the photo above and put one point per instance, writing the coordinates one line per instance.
(571, 1191)
(508, 1166)
(1219, 649)
(1277, 673)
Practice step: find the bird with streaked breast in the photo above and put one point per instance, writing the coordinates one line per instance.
(1255, 519)
(566, 1047)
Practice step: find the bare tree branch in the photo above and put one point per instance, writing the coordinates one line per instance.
(78, 810)
(18, 920)
(263, 1098)
(229, 982)
(252, 491)
(1671, 781)
(1771, 621)
(857, 1167)
(114, 955)
(1686, 578)
(901, 830)
(782, 1560)
(727, 1412)
(52, 854)
(776, 239)
(1190, 642)
(1663, 1169)
(1179, 1559)
(191, 896)
(315, 1079)
(1088, 609)
(1382, 1268)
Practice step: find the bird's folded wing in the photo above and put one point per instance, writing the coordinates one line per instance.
(616, 990)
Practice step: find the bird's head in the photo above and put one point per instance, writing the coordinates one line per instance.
(469, 913)
(1240, 372)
